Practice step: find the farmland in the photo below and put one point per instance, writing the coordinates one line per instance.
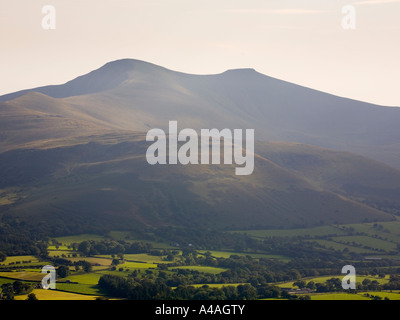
(57, 295)
(373, 239)
(367, 245)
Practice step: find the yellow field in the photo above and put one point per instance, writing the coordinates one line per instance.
(20, 259)
(23, 275)
(42, 294)
(358, 296)
(93, 260)
(338, 296)
(359, 279)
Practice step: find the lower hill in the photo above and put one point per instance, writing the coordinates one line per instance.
(105, 182)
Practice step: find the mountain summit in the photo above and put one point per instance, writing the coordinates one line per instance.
(134, 95)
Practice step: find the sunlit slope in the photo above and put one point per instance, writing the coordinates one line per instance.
(135, 95)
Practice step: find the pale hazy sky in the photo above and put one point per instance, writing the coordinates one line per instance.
(297, 41)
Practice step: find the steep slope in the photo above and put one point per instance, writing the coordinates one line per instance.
(109, 76)
(23, 127)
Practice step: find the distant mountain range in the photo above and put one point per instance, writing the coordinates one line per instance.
(73, 155)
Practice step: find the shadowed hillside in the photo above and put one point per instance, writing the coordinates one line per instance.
(108, 182)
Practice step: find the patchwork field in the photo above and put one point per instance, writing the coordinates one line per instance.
(78, 238)
(359, 279)
(23, 275)
(227, 254)
(358, 296)
(376, 240)
(316, 231)
(204, 269)
(338, 296)
(87, 289)
(56, 295)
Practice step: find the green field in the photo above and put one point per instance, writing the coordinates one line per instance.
(78, 238)
(22, 275)
(383, 294)
(217, 285)
(89, 289)
(204, 269)
(56, 295)
(330, 244)
(362, 238)
(5, 280)
(227, 254)
(357, 238)
(359, 279)
(93, 260)
(85, 278)
(140, 257)
(358, 296)
(20, 260)
(60, 247)
(315, 231)
(137, 265)
(368, 242)
(338, 296)
(60, 253)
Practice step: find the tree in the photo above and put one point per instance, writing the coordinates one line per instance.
(32, 297)
(366, 283)
(8, 291)
(311, 285)
(63, 271)
(84, 247)
(18, 287)
(247, 292)
(2, 256)
(231, 292)
(300, 283)
(115, 262)
(334, 284)
(87, 266)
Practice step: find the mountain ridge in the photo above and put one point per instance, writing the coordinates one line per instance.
(134, 95)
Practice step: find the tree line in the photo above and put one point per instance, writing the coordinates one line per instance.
(157, 289)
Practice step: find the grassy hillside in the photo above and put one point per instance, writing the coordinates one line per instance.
(108, 184)
(353, 176)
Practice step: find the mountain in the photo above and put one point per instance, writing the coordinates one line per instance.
(72, 156)
(108, 182)
(135, 95)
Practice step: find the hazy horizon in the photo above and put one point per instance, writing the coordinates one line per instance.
(300, 42)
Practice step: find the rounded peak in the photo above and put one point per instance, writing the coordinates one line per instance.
(242, 70)
(126, 64)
